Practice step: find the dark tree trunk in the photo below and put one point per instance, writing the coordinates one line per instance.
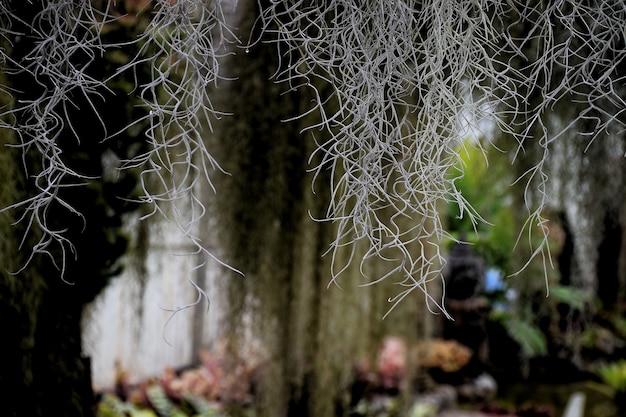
(608, 262)
(43, 371)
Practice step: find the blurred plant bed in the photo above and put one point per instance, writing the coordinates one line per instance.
(448, 355)
(448, 362)
(435, 362)
(438, 379)
(210, 389)
(158, 404)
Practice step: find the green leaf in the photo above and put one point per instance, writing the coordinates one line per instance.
(573, 297)
(203, 407)
(614, 375)
(529, 337)
(162, 404)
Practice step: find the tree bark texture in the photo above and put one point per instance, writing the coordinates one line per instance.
(311, 333)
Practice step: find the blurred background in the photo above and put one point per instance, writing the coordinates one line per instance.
(150, 326)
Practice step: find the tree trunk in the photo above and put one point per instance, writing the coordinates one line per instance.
(312, 335)
(44, 371)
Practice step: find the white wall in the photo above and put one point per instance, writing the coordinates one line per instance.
(127, 325)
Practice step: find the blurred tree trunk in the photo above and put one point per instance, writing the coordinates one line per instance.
(311, 334)
(44, 371)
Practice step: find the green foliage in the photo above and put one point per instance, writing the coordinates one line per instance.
(423, 410)
(378, 407)
(618, 321)
(528, 336)
(160, 405)
(111, 406)
(571, 296)
(392, 407)
(485, 184)
(614, 375)
(522, 321)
